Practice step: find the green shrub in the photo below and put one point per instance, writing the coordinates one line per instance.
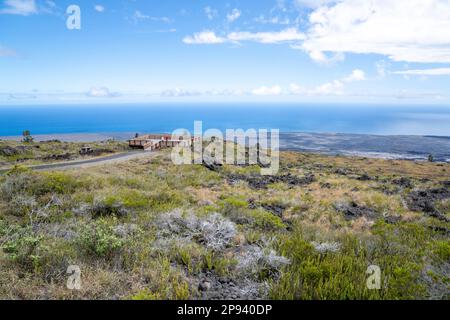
(57, 182)
(24, 247)
(442, 250)
(266, 220)
(99, 239)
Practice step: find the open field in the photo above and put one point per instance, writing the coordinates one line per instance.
(148, 229)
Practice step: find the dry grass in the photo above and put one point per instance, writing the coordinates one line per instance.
(142, 265)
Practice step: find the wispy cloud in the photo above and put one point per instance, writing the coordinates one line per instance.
(99, 8)
(101, 92)
(335, 87)
(356, 75)
(204, 37)
(234, 15)
(139, 16)
(210, 13)
(425, 72)
(402, 30)
(287, 35)
(210, 37)
(331, 88)
(6, 52)
(272, 20)
(313, 3)
(177, 92)
(19, 7)
(267, 91)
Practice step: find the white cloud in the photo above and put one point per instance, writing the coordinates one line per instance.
(335, 87)
(211, 13)
(267, 91)
(177, 92)
(5, 52)
(296, 89)
(204, 37)
(50, 3)
(425, 72)
(19, 7)
(272, 20)
(209, 37)
(313, 3)
(101, 92)
(356, 75)
(138, 16)
(287, 35)
(99, 8)
(381, 67)
(233, 15)
(403, 30)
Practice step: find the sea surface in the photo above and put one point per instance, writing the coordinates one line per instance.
(386, 131)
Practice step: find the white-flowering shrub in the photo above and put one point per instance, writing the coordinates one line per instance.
(214, 231)
(256, 260)
(324, 247)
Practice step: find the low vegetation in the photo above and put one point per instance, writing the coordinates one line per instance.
(31, 152)
(147, 229)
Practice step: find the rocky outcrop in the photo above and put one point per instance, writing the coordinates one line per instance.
(261, 182)
(424, 201)
(352, 210)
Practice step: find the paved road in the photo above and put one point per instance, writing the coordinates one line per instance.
(115, 158)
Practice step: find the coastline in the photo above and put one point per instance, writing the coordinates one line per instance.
(390, 147)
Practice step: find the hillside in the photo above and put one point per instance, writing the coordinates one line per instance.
(148, 229)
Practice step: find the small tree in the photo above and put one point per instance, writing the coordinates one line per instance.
(430, 158)
(27, 138)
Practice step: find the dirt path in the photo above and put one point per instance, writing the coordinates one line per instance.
(79, 164)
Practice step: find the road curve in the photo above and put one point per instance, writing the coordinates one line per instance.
(115, 158)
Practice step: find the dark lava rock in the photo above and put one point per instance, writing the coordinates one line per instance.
(353, 210)
(102, 209)
(364, 177)
(424, 201)
(342, 172)
(392, 219)
(211, 164)
(252, 204)
(65, 156)
(387, 190)
(9, 151)
(275, 209)
(403, 182)
(325, 185)
(213, 287)
(261, 182)
(446, 184)
(441, 230)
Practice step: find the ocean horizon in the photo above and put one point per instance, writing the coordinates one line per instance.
(378, 131)
(421, 120)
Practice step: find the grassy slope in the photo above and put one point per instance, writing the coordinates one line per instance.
(111, 221)
(42, 152)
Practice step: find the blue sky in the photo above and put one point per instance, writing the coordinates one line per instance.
(371, 51)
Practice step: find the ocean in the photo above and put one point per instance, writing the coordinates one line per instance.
(372, 130)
